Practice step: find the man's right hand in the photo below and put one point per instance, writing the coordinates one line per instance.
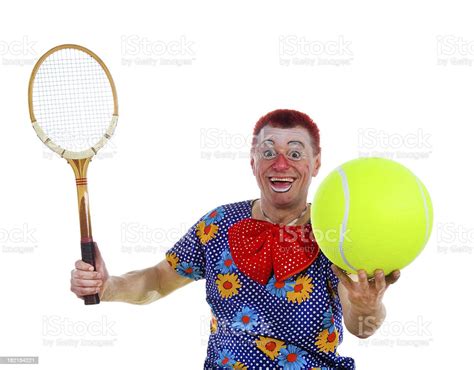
(137, 287)
(86, 281)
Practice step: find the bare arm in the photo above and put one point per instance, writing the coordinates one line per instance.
(137, 287)
(362, 324)
(361, 300)
(144, 286)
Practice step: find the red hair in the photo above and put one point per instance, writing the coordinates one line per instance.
(288, 118)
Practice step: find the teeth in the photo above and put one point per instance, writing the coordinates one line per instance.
(281, 190)
(287, 179)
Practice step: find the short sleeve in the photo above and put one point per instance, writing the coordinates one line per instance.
(188, 255)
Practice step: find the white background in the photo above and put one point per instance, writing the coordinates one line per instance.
(399, 84)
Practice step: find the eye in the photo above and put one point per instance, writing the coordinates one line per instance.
(295, 155)
(269, 154)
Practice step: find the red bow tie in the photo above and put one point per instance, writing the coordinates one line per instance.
(260, 247)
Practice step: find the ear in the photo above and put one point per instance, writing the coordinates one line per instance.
(252, 164)
(317, 164)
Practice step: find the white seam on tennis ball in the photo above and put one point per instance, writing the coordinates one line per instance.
(347, 200)
(425, 205)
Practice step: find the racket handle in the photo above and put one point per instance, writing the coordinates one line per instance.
(87, 251)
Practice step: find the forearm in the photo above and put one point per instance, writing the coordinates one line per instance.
(137, 287)
(364, 322)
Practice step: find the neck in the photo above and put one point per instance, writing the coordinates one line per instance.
(291, 215)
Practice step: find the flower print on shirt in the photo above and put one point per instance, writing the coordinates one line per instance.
(328, 339)
(226, 264)
(301, 289)
(280, 288)
(214, 216)
(292, 358)
(245, 319)
(189, 270)
(226, 359)
(270, 346)
(228, 285)
(172, 259)
(206, 232)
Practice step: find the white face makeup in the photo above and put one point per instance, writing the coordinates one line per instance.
(296, 150)
(283, 163)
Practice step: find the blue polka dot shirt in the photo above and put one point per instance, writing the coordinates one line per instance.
(291, 324)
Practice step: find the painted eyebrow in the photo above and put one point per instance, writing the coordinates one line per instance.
(296, 142)
(269, 141)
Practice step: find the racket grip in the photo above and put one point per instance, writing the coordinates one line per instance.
(87, 251)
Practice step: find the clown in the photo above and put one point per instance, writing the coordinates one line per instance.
(276, 300)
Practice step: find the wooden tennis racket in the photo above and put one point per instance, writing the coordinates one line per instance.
(73, 108)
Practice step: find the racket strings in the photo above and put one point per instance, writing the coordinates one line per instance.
(72, 99)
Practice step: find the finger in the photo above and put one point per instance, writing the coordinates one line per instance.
(363, 282)
(380, 283)
(343, 278)
(86, 275)
(81, 265)
(393, 277)
(84, 291)
(85, 283)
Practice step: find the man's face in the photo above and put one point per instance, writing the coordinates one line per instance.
(284, 163)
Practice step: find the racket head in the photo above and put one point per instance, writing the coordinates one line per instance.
(72, 101)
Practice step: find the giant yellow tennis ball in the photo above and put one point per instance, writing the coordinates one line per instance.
(371, 213)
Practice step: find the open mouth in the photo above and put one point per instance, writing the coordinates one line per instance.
(281, 184)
